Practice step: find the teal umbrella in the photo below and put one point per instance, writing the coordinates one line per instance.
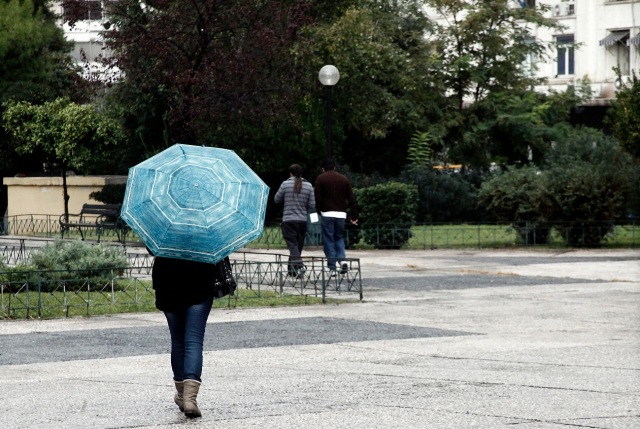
(195, 202)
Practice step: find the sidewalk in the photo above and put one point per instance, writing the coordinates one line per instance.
(444, 339)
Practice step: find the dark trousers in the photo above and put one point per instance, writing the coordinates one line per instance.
(294, 234)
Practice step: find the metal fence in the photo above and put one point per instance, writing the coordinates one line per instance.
(57, 293)
(620, 233)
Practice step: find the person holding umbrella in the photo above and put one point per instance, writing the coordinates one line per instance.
(297, 195)
(186, 309)
(192, 206)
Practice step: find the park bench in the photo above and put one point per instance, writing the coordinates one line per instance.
(99, 217)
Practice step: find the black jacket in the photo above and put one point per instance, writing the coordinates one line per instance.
(180, 283)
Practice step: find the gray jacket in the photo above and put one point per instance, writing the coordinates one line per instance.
(296, 205)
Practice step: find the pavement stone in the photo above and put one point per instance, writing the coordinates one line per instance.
(444, 339)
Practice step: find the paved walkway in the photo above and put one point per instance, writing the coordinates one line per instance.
(445, 339)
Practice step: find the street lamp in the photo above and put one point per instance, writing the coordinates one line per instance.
(329, 76)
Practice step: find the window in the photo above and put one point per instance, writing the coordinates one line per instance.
(565, 55)
(618, 51)
(88, 51)
(529, 64)
(85, 10)
(527, 3)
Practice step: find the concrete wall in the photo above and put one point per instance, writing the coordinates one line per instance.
(43, 195)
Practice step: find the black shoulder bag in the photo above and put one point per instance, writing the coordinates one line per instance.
(225, 284)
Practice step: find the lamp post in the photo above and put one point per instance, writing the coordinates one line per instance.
(329, 76)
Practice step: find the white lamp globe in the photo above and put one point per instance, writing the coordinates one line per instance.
(329, 75)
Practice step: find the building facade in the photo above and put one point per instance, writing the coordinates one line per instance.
(600, 35)
(85, 33)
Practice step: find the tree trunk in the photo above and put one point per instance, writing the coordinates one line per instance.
(65, 194)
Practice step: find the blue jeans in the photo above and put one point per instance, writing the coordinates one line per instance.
(333, 240)
(187, 337)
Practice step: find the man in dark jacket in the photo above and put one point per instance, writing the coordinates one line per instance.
(334, 194)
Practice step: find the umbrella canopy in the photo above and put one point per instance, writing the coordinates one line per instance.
(195, 202)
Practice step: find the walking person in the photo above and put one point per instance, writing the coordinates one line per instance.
(298, 197)
(185, 292)
(334, 195)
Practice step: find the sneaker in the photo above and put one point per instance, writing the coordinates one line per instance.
(332, 273)
(344, 269)
(300, 272)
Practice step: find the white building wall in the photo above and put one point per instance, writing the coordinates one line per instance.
(589, 21)
(592, 22)
(86, 35)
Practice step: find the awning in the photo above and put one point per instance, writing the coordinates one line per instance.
(635, 40)
(613, 38)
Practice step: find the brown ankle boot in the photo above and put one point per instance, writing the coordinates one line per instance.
(190, 393)
(178, 399)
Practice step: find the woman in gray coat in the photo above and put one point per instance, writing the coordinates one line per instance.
(297, 195)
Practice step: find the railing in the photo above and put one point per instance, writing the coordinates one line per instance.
(621, 233)
(46, 294)
(26, 294)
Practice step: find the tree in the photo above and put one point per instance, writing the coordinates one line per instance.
(203, 72)
(482, 46)
(66, 135)
(385, 92)
(517, 128)
(35, 66)
(34, 60)
(624, 115)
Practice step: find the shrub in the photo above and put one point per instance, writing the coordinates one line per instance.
(77, 259)
(110, 194)
(588, 178)
(514, 196)
(442, 197)
(387, 212)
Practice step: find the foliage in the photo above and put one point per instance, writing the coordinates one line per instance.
(381, 54)
(84, 262)
(511, 128)
(419, 153)
(384, 93)
(78, 255)
(624, 115)
(514, 196)
(203, 72)
(585, 181)
(110, 194)
(34, 66)
(387, 212)
(442, 196)
(65, 134)
(481, 46)
(587, 177)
